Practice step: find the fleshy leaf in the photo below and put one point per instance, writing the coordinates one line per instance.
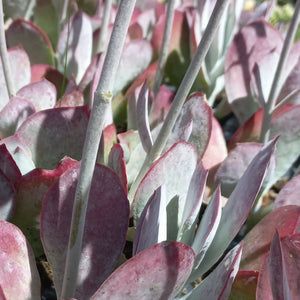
(253, 42)
(289, 194)
(35, 42)
(218, 284)
(13, 114)
(20, 69)
(192, 205)
(174, 169)
(196, 109)
(116, 161)
(31, 190)
(41, 94)
(142, 118)
(79, 48)
(257, 242)
(19, 276)
(244, 285)
(170, 264)
(239, 204)
(7, 198)
(151, 227)
(236, 163)
(105, 228)
(54, 133)
(15, 8)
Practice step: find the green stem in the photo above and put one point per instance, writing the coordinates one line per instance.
(4, 57)
(277, 81)
(104, 26)
(164, 48)
(182, 93)
(101, 106)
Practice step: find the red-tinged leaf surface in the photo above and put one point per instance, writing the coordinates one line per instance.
(151, 227)
(238, 206)
(244, 285)
(257, 242)
(218, 284)
(39, 72)
(215, 152)
(8, 166)
(132, 65)
(13, 114)
(31, 190)
(7, 197)
(278, 275)
(207, 229)
(71, 99)
(192, 205)
(35, 42)
(20, 153)
(287, 126)
(236, 163)
(161, 106)
(20, 69)
(196, 109)
(54, 133)
(129, 138)
(116, 161)
(109, 137)
(41, 94)
(174, 169)
(105, 228)
(249, 46)
(289, 194)
(19, 278)
(79, 37)
(158, 272)
(178, 49)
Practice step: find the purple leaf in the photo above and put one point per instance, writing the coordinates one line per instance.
(278, 276)
(151, 227)
(192, 206)
(249, 46)
(289, 194)
(35, 42)
(142, 118)
(257, 241)
(41, 94)
(8, 166)
(239, 204)
(217, 285)
(105, 228)
(20, 69)
(174, 169)
(196, 109)
(7, 197)
(236, 163)
(71, 99)
(13, 114)
(54, 133)
(79, 48)
(31, 190)
(19, 276)
(207, 229)
(116, 161)
(158, 272)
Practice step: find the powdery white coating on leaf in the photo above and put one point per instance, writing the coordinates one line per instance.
(20, 69)
(54, 133)
(79, 47)
(18, 272)
(174, 169)
(41, 94)
(105, 227)
(7, 197)
(158, 272)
